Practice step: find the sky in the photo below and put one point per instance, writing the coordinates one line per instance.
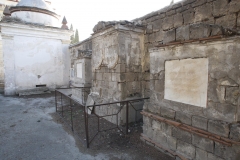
(85, 14)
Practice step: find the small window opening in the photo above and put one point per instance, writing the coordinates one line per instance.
(42, 85)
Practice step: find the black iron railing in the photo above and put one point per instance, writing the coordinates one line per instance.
(90, 121)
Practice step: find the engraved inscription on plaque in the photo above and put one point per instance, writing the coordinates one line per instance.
(186, 81)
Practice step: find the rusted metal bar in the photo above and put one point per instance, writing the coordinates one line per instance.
(127, 117)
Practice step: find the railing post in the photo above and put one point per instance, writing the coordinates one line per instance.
(56, 99)
(61, 104)
(86, 124)
(71, 113)
(126, 117)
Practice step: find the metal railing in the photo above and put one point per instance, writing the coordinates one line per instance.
(87, 122)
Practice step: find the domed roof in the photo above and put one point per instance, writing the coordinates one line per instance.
(34, 3)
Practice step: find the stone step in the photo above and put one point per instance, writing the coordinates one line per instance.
(34, 91)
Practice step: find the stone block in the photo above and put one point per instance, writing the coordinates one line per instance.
(182, 33)
(213, 157)
(118, 77)
(235, 131)
(168, 113)
(203, 143)
(107, 77)
(182, 9)
(169, 36)
(220, 8)
(156, 37)
(198, 3)
(238, 20)
(147, 121)
(99, 76)
(182, 135)
(232, 94)
(159, 85)
(201, 154)
(218, 127)
(171, 12)
(149, 28)
(186, 149)
(160, 138)
(234, 6)
(216, 30)
(120, 68)
(199, 31)
(199, 122)
(168, 23)
(228, 21)
(203, 13)
(184, 118)
(188, 16)
(178, 20)
(166, 128)
(157, 25)
(225, 112)
(172, 142)
(156, 125)
(130, 77)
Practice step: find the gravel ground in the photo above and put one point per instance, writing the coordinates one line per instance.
(31, 129)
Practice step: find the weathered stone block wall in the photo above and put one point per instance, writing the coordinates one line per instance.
(221, 114)
(117, 64)
(194, 29)
(81, 53)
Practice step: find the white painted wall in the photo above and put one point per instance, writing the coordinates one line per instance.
(34, 56)
(34, 17)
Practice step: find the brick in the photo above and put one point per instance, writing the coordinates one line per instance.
(199, 31)
(168, 23)
(228, 21)
(183, 118)
(169, 36)
(203, 143)
(182, 135)
(213, 157)
(178, 20)
(220, 8)
(203, 13)
(199, 122)
(182, 33)
(186, 149)
(168, 113)
(218, 127)
(201, 154)
(235, 132)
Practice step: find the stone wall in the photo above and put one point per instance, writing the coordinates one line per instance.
(81, 53)
(186, 116)
(1, 67)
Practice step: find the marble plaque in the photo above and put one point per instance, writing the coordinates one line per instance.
(79, 70)
(186, 81)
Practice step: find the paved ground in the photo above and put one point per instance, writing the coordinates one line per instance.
(28, 132)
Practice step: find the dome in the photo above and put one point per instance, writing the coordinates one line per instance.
(34, 3)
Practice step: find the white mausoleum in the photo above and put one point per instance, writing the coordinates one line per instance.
(34, 48)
